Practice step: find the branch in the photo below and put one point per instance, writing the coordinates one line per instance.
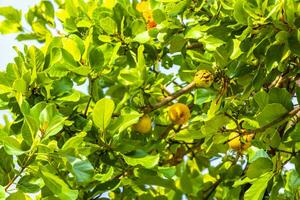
(276, 121)
(19, 173)
(168, 99)
(87, 107)
(265, 127)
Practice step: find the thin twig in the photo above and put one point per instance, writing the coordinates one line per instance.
(168, 99)
(87, 107)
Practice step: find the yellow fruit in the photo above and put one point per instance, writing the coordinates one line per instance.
(143, 6)
(240, 143)
(144, 125)
(203, 78)
(179, 113)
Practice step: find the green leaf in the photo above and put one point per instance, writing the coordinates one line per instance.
(130, 77)
(2, 193)
(203, 95)
(51, 121)
(141, 65)
(61, 86)
(257, 189)
(282, 96)
(168, 172)
(58, 186)
(20, 85)
(96, 59)
(124, 121)
(255, 154)
(158, 15)
(29, 129)
(240, 15)
(188, 135)
(270, 113)
(17, 196)
(12, 145)
(138, 26)
(142, 37)
(261, 98)
(177, 42)
(292, 181)
(72, 47)
(73, 97)
(274, 55)
(141, 158)
(108, 25)
(259, 167)
(35, 59)
(103, 177)
(294, 135)
(74, 142)
(102, 113)
(27, 185)
(12, 21)
(82, 169)
(174, 9)
(4, 89)
(289, 8)
(149, 177)
(294, 43)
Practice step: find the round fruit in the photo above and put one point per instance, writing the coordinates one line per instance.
(203, 78)
(179, 113)
(240, 143)
(144, 124)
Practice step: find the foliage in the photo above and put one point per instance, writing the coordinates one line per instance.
(140, 59)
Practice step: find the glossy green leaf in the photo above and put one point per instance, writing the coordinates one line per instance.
(27, 185)
(11, 145)
(12, 21)
(58, 186)
(51, 121)
(203, 95)
(108, 25)
(262, 99)
(257, 189)
(102, 113)
(270, 113)
(293, 181)
(282, 96)
(259, 167)
(82, 169)
(96, 59)
(29, 129)
(274, 55)
(176, 43)
(141, 158)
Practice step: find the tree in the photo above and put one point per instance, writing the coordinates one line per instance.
(194, 99)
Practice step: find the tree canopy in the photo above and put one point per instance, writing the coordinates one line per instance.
(185, 99)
